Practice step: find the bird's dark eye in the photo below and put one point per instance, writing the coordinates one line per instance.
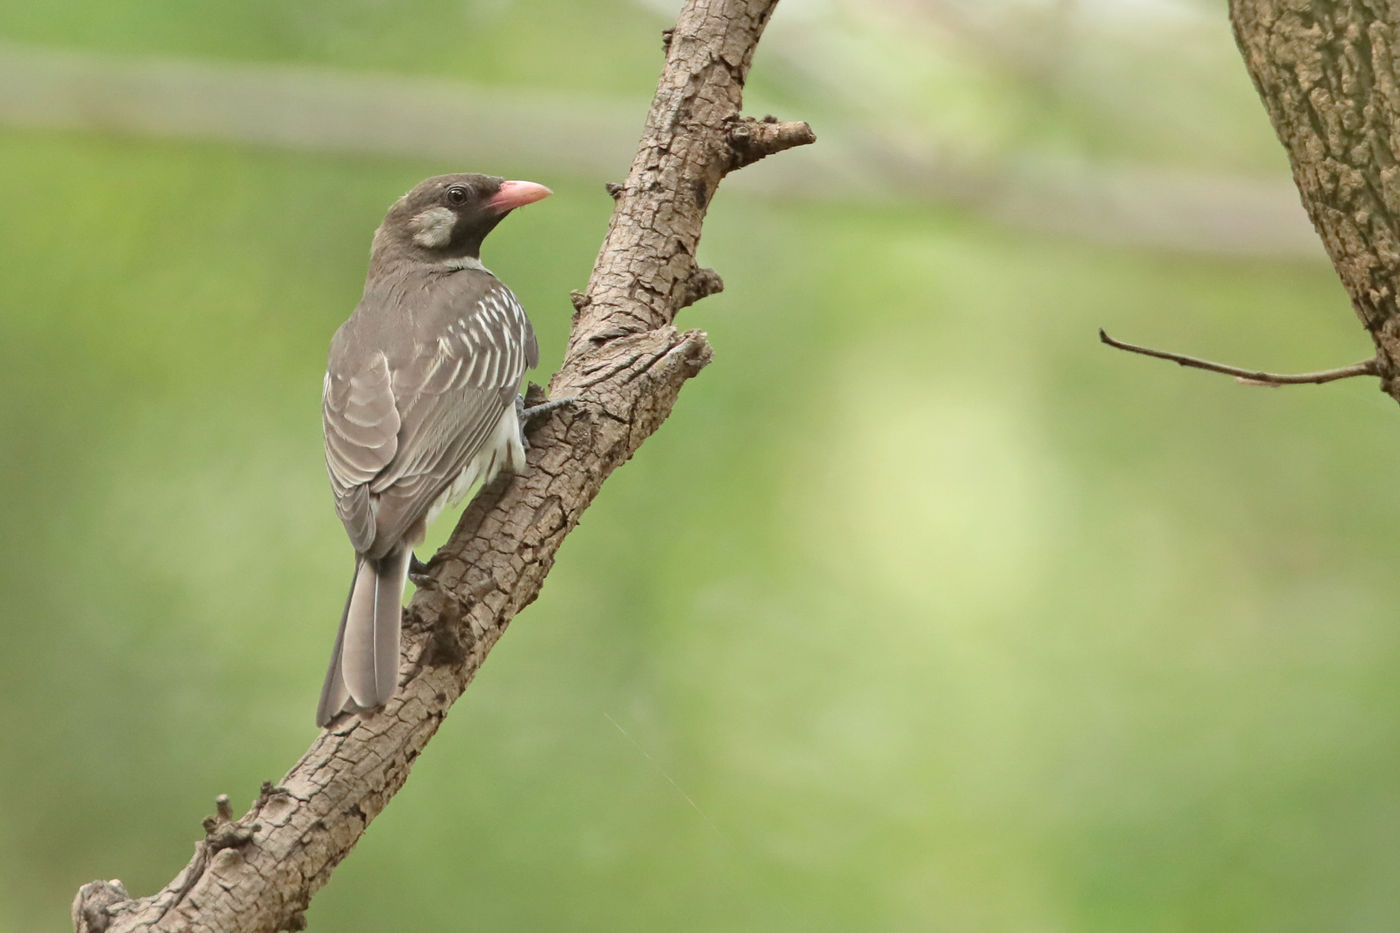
(457, 195)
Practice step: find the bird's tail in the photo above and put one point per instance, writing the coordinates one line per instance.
(364, 666)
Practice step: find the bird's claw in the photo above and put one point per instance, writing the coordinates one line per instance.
(417, 571)
(525, 414)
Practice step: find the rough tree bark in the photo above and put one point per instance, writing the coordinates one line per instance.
(1327, 75)
(625, 363)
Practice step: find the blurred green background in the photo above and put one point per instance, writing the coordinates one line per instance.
(924, 611)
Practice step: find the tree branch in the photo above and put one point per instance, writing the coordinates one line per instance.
(626, 363)
(1248, 376)
(753, 139)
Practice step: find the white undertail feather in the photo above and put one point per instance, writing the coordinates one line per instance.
(502, 451)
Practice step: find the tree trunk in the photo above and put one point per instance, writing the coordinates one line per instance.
(625, 364)
(1327, 75)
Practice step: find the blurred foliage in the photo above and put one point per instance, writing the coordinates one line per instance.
(923, 611)
(496, 41)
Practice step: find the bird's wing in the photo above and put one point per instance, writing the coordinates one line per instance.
(361, 422)
(450, 397)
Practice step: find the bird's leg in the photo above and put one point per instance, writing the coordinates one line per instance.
(525, 414)
(532, 412)
(417, 571)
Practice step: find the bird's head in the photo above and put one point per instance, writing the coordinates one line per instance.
(447, 217)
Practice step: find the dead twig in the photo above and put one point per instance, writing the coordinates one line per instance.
(1253, 377)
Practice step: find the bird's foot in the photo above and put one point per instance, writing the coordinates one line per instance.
(525, 414)
(531, 412)
(417, 571)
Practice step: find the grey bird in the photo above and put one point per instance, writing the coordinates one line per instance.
(419, 405)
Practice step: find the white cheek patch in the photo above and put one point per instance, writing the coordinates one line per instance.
(433, 228)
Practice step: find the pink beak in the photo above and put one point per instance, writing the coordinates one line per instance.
(515, 194)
